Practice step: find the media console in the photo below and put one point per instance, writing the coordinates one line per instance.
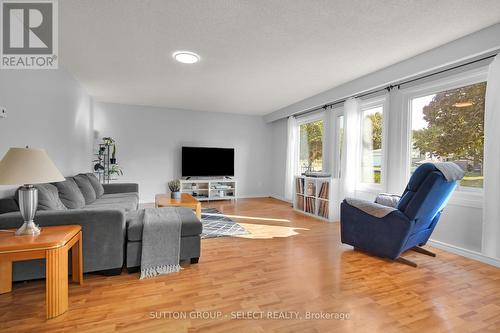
(205, 189)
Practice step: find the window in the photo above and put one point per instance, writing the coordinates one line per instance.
(449, 126)
(371, 144)
(311, 146)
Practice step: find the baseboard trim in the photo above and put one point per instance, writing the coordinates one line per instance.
(280, 198)
(465, 253)
(252, 196)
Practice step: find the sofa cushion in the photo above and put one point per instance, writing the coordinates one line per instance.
(129, 198)
(8, 205)
(128, 203)
(48, 198)
(86, 188)
(134, 220)
(124, 206)
(96, 184)
(190, 226)
(121, 195)
(70, 194)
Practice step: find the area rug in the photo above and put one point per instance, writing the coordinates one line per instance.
(216, 224)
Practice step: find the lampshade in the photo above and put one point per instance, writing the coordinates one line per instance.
(28, 166)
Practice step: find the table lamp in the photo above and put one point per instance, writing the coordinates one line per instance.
(28, 166)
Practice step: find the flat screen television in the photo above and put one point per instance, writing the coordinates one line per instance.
(207, 162)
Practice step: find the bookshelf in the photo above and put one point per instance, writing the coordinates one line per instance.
(313, 196)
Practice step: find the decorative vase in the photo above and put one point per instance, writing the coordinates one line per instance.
(175, 195)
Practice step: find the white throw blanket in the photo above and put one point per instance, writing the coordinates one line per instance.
(161, 239)
(371, 208)
(450, 171)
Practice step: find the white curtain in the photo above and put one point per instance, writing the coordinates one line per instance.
(491, 209)
(397, 166)
(291, 157)
(366, 150)
(350, 149)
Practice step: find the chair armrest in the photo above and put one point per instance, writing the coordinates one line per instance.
(103, 232)
(381, 236)
(120, 188)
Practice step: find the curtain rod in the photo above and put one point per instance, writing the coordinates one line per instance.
(391, 86)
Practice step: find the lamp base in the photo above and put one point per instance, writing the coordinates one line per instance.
(28, 202)
(28, 228)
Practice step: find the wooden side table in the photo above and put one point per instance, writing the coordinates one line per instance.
(53, 244)
(186, 200)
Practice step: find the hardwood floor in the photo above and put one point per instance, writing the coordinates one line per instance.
(290, 262)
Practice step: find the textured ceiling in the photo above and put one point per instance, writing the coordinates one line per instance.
(257, 56)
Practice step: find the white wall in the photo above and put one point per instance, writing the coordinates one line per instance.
(46, 109)
(278, 160)
(150, 140)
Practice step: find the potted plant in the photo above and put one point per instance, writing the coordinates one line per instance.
(175, 188)
(108, 140)
(115, 170)
(112, 160)
(98, 166)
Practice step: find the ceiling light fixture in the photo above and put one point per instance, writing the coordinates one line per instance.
(463, 104)
(186, 57)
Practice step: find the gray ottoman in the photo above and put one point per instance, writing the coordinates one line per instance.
(190, 238)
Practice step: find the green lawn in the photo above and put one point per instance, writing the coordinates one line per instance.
(472, 179)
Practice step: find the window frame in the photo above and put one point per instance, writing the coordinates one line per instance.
(468, 196)
(336, 113)
(306, 120)
(365, 105)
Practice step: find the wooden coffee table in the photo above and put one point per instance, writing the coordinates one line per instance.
(53, 245)
(186, 200)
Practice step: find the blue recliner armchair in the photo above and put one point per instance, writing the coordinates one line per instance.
(408, 226)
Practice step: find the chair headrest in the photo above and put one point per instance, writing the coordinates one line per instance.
(419, 176)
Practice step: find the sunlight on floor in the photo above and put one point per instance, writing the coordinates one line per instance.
(248, 217)
(264, 231)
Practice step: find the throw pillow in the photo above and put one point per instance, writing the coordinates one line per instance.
(48, 198)
(389, 200)
(70, 194)
(8, 205)
(86, 188)
(98, 188)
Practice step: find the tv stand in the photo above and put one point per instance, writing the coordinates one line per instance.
(206, 189)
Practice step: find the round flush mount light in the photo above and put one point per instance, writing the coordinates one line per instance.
(186, 57)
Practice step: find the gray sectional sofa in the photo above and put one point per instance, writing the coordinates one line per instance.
(111, 229)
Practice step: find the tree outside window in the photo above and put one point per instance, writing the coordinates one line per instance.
(449, 126)
(371, 145)
(311, 146)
